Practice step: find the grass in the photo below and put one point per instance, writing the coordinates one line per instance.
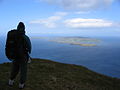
(50, 75)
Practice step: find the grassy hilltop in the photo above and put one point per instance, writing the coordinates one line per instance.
(49, 75)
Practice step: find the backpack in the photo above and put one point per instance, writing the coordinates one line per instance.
(13, 44)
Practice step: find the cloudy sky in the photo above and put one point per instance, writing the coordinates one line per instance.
(62, 17)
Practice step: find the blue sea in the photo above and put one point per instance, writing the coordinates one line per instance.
(103, 58)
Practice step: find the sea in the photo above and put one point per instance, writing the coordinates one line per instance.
(103, 58)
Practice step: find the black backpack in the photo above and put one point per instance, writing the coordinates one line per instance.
(13, 44)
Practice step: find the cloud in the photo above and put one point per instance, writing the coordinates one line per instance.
(61, 13)
(82, 12)
(87, 23)
(80, 4)
(50, 22)
(75, 23)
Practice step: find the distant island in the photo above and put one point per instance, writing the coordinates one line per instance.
(82, 41)
(50, 75)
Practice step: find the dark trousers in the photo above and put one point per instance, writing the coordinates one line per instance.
(19, 66)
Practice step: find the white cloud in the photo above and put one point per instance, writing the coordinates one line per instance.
(82, 12)
(61, 13)
(50, 22)
(55, 21)
(80, 4)
(87, 23)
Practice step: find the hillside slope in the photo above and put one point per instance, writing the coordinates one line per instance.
(49, 75)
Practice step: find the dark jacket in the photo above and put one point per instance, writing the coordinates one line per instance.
(25, 41)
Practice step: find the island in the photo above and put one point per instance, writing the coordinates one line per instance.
(81, 41)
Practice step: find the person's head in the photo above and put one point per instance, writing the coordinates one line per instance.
(21, 27)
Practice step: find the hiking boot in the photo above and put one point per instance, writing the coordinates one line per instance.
(11, 82)
(21, 86)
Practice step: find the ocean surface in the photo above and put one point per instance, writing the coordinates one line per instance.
(103, 58)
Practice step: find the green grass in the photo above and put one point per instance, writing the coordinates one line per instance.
(49, 75)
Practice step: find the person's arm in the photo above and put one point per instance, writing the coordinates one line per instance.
(28, 43)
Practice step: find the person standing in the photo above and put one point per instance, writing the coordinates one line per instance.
(18, 48)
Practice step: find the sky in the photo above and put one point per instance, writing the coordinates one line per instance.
(62, 17)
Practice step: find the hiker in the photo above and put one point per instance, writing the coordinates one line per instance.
(18, 48)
